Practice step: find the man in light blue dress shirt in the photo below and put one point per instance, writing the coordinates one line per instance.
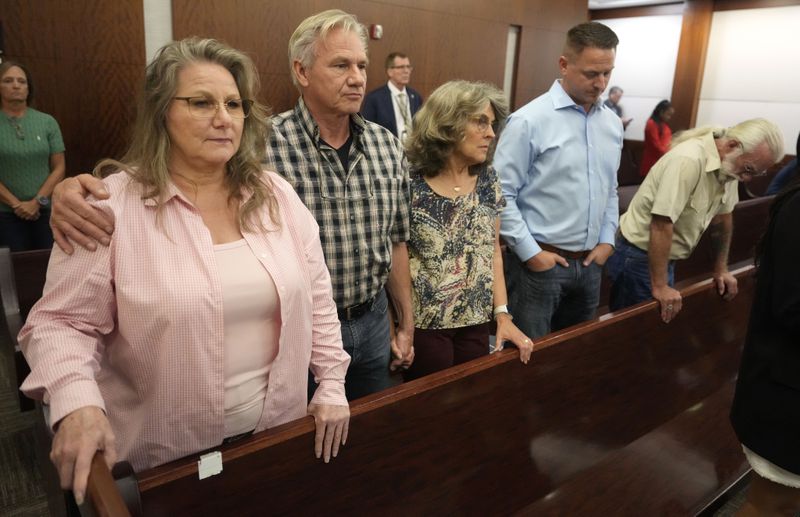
(558, 159)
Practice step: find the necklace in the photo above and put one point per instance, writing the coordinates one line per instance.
(457, 189)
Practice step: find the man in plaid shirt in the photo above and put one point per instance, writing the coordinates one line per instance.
(352, 176)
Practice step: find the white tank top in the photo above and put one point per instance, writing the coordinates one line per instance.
(252, 320)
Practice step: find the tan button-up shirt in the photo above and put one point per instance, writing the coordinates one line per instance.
(687, 186)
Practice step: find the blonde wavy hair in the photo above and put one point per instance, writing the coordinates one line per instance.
(147, 157)
(442, 121)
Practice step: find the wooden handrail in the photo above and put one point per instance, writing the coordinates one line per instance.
(102, 492)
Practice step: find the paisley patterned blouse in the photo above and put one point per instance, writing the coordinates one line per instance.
(451, 250)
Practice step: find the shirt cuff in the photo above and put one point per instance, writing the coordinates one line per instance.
(607, 236)
(330, 393)
(527, 248)
(74, 395)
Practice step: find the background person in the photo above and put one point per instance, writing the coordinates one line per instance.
(394, 104)
(454, 250)
(612, 102)
(765, 411)
(657, 136)
(167, 341)
(31, 163)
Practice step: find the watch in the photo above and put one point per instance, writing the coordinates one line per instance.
(43, 201)
(502, 309)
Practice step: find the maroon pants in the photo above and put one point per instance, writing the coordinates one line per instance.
(437, 349)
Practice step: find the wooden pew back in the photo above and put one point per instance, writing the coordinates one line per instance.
(492, 436)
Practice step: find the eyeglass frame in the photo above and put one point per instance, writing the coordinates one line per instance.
(247, 106)
(750, 170)
(482, 123)
(410, 68)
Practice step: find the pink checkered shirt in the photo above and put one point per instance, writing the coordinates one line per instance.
(136, 328)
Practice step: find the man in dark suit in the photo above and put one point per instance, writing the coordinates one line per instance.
(393, 105)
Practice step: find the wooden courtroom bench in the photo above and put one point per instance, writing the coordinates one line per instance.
(22, 277)
(602, 411)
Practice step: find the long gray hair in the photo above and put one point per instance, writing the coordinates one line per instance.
(147, 158)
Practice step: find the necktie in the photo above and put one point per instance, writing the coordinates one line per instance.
(402, 102)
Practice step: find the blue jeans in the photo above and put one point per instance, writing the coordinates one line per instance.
(21, 235)
(629, 272)
(553, 299)
(368, 342)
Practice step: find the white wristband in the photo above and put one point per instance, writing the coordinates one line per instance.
(501, 309)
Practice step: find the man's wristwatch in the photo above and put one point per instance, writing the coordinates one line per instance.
(502, 309)
(43, 201)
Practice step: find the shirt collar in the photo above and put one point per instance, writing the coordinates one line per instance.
(562, 100)
(307, 122)
(714, 162)
(394, 89)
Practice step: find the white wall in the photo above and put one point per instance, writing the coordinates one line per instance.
(645, 65)
(752, 70)
(157, 26)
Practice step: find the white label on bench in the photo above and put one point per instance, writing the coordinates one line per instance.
(209, 465)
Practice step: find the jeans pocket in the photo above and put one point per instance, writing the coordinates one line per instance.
(381, 303)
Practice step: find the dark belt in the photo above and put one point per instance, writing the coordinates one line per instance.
(577, 255)
(355, 311)
(236, 437)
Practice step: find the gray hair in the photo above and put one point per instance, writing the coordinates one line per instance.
(750, 133)
(147, 157)
(304, 40)
(442, 121)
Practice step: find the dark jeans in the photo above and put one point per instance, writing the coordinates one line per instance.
(554, 299)
(629, 272)
(21, 235)
(437, 349)
(368, 342)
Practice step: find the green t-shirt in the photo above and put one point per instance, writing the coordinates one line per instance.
(25, 152)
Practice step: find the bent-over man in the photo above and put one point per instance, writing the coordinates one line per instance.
(691, 188)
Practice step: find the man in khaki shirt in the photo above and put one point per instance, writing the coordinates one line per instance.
(691, 188)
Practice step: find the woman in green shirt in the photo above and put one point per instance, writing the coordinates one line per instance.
(31, 163)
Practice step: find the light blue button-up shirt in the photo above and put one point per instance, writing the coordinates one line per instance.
(558, 169)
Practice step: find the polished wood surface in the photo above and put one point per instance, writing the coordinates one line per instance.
(86, 59)
(102, 492)
(494, 436)
(691, 62)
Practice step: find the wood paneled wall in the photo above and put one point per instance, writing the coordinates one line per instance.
(87, 61)
(87, 57)
(445, 39)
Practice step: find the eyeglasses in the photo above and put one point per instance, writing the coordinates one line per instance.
(752, 172)
(205, 108)
(483, 123)
(17, 128)
(402, 67)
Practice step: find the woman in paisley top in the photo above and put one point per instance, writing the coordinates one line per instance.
(454, 250)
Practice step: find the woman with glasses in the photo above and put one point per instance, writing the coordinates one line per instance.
(454, 250)
(31, 163)
(766, 407)
(198, 324)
